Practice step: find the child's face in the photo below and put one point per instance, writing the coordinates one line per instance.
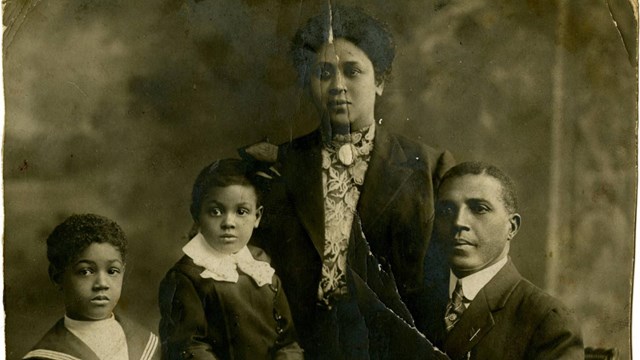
(228, 216)
(92, 283)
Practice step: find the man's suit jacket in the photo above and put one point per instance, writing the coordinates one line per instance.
(396, 209)
(510, 318)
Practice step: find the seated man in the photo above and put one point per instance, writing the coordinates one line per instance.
(492, 311)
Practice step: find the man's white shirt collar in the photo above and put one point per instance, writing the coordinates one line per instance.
(472, 284)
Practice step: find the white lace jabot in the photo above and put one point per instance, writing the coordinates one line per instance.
(224, 267)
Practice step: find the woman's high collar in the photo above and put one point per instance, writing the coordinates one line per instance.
(336, 139)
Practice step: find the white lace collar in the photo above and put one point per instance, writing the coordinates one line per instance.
(224, 267)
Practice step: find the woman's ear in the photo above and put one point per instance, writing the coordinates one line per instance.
(306, 85)
(379, 86)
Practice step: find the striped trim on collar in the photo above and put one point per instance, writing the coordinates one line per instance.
(150, 349)
(147, 354)
(49, 354)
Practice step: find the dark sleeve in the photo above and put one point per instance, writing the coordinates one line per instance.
(420, 264)
(287, 339)
(183, 324)
(558, 336)
(413, 217)
(392, 337)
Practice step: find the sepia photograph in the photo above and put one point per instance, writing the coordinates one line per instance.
(319, 179)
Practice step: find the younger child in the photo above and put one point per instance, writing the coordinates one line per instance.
(86, 261)
(222, 300)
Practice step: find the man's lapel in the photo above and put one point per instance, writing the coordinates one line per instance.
(303, 179)
(474, 324)
(478, 319)
(384, 177)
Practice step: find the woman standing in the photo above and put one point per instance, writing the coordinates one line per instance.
(351, 204)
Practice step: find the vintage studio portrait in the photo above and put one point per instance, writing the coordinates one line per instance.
(319, 179)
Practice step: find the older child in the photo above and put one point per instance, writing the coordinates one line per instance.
(222, 300)
(86, 261)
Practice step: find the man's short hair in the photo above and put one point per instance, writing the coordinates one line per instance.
(71, 237)
(509, 194)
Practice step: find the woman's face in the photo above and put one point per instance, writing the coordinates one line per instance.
(343, 86)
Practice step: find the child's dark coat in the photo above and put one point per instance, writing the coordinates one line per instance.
(209, 319)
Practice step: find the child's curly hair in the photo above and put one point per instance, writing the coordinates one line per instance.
(75, 234)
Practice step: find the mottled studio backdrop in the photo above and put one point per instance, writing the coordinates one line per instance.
(113, 106)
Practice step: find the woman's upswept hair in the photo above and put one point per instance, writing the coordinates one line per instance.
(350, 23)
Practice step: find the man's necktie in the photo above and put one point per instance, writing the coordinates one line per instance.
(455, 307)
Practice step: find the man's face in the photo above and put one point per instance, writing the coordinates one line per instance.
(92, 284)
(343, 85)
(473, 221)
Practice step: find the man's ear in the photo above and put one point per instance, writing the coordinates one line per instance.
(514, 225)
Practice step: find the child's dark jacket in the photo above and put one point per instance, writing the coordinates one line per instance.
(204, 318)
(60, 344)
